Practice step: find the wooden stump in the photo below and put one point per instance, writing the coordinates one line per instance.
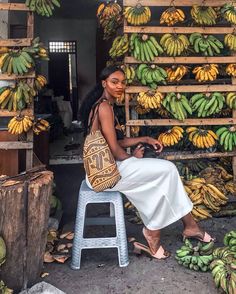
(24, 213)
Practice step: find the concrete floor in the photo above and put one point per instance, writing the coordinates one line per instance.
(100, 273)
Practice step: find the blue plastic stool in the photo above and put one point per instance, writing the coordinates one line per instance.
(86, 196)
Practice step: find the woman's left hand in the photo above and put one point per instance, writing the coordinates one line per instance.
(155, 143)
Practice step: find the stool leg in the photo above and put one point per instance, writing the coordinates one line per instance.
(112, 210)
(79, 232)
(121, 233)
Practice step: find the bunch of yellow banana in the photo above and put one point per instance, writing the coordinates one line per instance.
(141, 110)
(172, 16)
(120, 46)
(229, 12)
(4, 50)
(40, 125)
(200, 212)
(175, 73)
(134, 130)
(230, 41)
(39, 83)
(162, 112)
(171, 137)
(129, 73)
(20, 124)
(150, 99)
(231, 69)
(206, 72)
(231, 100)
(137, 15)
(201, 138)
(230, 186)
(204, 15)
(174, 44)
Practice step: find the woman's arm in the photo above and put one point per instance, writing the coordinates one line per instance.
(128, 142)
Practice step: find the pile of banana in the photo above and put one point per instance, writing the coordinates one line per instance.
(43, 7)
(144, 47)
(137, 15)
(129, 73)
(151, 75)
(223, 269)
(110, 18)
(40, 125)
(206, 44)
(201, 138)
(141, 110)
(204, 15)
(150, 99)
(231, 100)
(206, 104)
(196, 258)
(120, 46)
(162, 112)
(3, 251)
(176, 72)
(231, 69)
(230, 241)
(171, 136)
(177, 105)
(206, 72)
(230, 187)
(20, 124)
(230, 41)
(39, 83)
(174, 44)
(229, 12)
(227, 137)
(189, 169)
(172, 16)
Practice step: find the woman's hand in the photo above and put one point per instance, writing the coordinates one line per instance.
(138, 151)
(155, 143)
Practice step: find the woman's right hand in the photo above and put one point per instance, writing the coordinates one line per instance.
(138, 151)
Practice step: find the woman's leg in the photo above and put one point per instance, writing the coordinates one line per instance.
(191, 228)
(153, 238)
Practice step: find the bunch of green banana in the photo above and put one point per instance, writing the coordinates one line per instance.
(204, 15)
(207, 104)
(174, 44)
(223, 253)
(120, 46)
(229, 12)
(231, 100)
(4, 289)
(230, 240)
(184, 171)
(2, 251)
(206, 44)
(150, 99)
(43, 7)
(144, 47)
(195, 258)
(37, 50)
(130, 73)
(151, 75)
(177, 105)
(230, 41)
(227, 137)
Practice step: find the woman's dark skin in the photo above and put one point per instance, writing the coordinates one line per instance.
(114, 87)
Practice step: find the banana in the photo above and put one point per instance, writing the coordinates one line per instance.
(172, 16)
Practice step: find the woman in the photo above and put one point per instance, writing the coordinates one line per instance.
(152, 185)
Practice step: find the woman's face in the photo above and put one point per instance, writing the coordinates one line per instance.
(115, 84)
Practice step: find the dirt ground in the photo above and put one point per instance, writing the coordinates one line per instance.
(100, 273)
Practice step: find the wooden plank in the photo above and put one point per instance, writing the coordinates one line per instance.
(6, 113)
(184, 88)
(15, 42)
(185, 60)
(6, 77)
(186, 122)
(127, 114)
(195, 155)
(179, 30)
(13, 6)
(234, 116)
(30, 25)
(16, 145)
(161, 3)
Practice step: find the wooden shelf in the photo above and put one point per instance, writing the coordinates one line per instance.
(16, 145)
(15, 42)
(186, 122)
(185, 60)
(6, 113)
(184, 88)
(178, 30)
(14, 6)
(160, 3)
(6, 77)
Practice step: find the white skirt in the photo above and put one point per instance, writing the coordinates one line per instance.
(155, 188)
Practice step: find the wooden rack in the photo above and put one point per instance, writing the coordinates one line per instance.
(182, 88)
(28, 144)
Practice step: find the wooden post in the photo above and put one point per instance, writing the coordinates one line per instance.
(234, 116)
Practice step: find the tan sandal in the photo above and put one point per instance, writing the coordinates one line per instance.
(206, 238)
(160, 254)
